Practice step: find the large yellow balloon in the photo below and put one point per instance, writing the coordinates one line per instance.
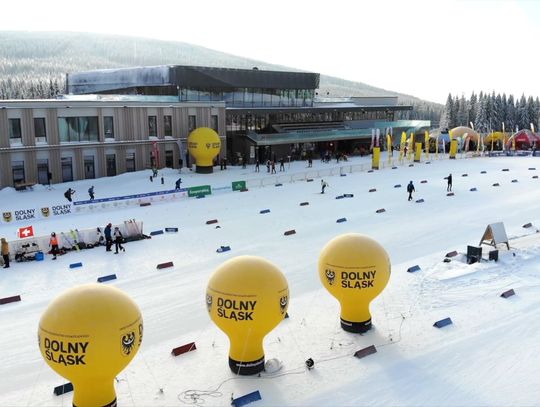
(246, 298)
(355, 269)
(204, 144)
(88, 335)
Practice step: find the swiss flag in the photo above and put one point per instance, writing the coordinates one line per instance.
(26, 232)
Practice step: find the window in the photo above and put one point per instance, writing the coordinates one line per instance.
(15, 129)
(192, 123)
(40, 130)
(76, 129)
(214, 122)
(167, 127)
(67, 169)
(152, 126)
(17, 168)
(169, 159)
(111, 165)
(130, 162)
(43, 171)
(89, 170)
(108, 127)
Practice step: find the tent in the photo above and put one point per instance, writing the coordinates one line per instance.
(524, 139)
(465, 135)
(495, 234)
(496, 137)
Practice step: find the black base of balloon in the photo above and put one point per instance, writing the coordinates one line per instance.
(111, 404)
(204, 170)
(356, 327)
(246, 368)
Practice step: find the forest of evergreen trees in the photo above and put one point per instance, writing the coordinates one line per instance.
(43, 87)
(490, 112)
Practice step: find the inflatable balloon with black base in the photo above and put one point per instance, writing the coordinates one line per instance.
(354, 268)
(88, 335)
(204, 144)
(247, 297)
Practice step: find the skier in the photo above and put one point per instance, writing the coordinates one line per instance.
(281, 164)
(257, 165)
(273, 164)
(177, 183)
(91, 192)
(108, 237)
(410, 190)
(53, 244)
(5, 252)
(68, 194)
(310, 161)
(449, 186)
(118, 239)
(324, 184)
(267, 165)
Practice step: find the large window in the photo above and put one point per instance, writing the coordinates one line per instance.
(169, 155)
(78, 129)
(17, 168)
(15, 130)
(111, 165)
(192, 123)
(43, 171)
(130, 162)
(67, 169)
(108, 127)
(167, 126)
(152, 126)
(214, 122)
(40, 130)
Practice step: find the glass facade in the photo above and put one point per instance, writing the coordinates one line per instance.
(108, 127)
(250, 97)
(111, 165)
(67, 169)
(17, 168)
(167, 126)
(15, 130)
(77, 129)
(152, 126)
(169, 161)
(40, 130)
(130, 162)
(43, 171)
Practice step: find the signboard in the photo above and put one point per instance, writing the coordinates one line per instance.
(200, 190)
(238, 185)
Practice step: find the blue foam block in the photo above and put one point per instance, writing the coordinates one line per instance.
(106, 278)
(74, 265)
(248, 398)
(340, 220)
(340, 197)
(156, 232)
(472, 189)
(413, 269)
(223, 249)
(483, 172)
(265, 211)
(279, 185)
(420, 200)
(342, 175)
(397, 186)
(64, 388)
(171, 229)
(348, 195)
(442, 322)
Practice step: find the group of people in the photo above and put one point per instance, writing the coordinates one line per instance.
(70, 192)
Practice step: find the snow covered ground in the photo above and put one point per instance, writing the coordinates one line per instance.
(489, 356)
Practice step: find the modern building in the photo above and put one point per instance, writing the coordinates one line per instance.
(117, 120)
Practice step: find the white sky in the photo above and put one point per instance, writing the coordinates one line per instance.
(423, 48)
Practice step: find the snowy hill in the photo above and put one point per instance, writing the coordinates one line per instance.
(488, 356)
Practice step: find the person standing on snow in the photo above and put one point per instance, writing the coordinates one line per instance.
(108, 237)
(324, 184)
(91, 192)
(177, 183)
(68, 194)
(53, 244)
(5, 252)
(449, 186)
(118, 239)
(410, 190)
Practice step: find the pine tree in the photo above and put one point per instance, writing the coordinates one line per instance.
(510, 114)
(473, 108)
(522, 113)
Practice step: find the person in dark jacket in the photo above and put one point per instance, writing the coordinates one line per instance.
(118, 239)
(108, 237)
(410, 190)
(177, 183)
(449, 186)
(68, 194)
(91, 192)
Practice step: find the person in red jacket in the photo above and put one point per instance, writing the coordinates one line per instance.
(53, 244)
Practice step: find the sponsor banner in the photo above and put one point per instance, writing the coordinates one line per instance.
(200, 190)
(126, 197)
(238, 185)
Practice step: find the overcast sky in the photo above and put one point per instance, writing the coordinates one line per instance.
(423, 48)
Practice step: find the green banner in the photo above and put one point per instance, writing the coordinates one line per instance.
(238, 185)
(200, 190)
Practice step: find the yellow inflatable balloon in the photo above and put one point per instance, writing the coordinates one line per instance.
(88, 335)
(204, 144)
(355, 269)
(246, 298)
